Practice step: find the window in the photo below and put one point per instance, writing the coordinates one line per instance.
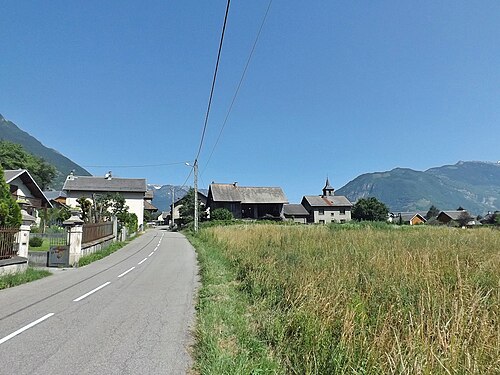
(342, 221)
(333, 213)
(322, 222)
(321, 211)
(342, 211)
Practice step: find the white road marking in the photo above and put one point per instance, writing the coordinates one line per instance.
(92, 291)
(21, 330)
(142, 261)
(151, 253)
(127, 271)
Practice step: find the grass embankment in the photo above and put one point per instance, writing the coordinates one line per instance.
(87, 259)
(338, 300)
(31, 274)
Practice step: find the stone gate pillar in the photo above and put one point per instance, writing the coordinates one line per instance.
(74, 226)
(23, 236)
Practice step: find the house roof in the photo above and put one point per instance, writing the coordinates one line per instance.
(453, 215)
(148, 206)
(407, 216)
(115, 184)
(24, 175)
(294, 210)
(245, 194)
(54, 194)
(327, 201)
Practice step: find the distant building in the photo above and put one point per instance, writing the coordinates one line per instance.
(328, 207)
(247, 202)
(407, 218)
(132, 189)
(445, 217)
(296, 213)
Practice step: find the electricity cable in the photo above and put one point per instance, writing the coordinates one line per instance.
(239, 85)
(213, 83)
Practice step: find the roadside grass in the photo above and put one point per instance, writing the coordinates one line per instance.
(14, 279)
(349, 299)
(98, 255)
(226, 340)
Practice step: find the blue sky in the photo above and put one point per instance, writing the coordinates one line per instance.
(335, 88)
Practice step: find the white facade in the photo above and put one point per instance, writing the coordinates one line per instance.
(333, 215)
(134, 201)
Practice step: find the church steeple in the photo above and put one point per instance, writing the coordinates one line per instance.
(328, 189)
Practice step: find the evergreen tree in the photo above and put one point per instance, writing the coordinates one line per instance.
(10, 213)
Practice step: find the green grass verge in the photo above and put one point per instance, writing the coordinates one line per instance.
(226, 339)
(31, 274)
(45, 246)
(87, 259)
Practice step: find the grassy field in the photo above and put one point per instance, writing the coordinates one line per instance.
(348, 300)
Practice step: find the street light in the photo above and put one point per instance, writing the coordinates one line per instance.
(195, 171)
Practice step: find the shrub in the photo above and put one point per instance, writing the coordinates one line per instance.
(221, 214)
(36, 242)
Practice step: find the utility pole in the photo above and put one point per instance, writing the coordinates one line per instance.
(195, 167)
(173, 207)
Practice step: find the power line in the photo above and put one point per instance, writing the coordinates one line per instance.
(213, 83)
(239, 84)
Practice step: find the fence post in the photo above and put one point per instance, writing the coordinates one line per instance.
(74, 226)
(23, 236)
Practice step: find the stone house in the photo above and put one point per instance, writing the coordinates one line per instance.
(328, 207)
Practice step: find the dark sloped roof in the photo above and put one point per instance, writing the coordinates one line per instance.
(294, 210)
(115, 184)
(327, 185)
(148, 206)
(27, 180)
(149, 194)
(454, 215)
(327, 201)
(54, 194)
(244, 194)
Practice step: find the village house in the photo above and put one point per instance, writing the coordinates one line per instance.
(328, 207)
(148, 202)
(247, 202)
(24, 189)
(446, 217)
(202, 199)
(132, 189)
(407, 218)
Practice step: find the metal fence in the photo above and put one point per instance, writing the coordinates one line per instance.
(93, 232)
(8, 245)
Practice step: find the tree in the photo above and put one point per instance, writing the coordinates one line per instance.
(186, 211)
(86, 207)
(14, 156)
(464, 218)
(221, 214)
(369, 209)
(10, 213)
(433, 212)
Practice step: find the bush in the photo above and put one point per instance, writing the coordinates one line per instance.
(221, 214)
(36, 242)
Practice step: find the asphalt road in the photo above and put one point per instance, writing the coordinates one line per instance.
(129, 313)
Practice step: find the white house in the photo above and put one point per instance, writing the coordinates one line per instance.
(328, 207)
(24, 188)
(132, 189)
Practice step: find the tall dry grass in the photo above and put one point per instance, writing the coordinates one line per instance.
(363, 301)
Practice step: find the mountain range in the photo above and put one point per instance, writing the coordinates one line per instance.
(473, 185)
(12, 133)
